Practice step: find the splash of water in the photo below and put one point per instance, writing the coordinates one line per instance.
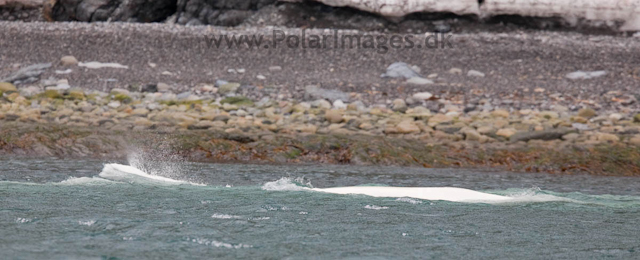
(156, 163)
(288, 184)
(535, 195)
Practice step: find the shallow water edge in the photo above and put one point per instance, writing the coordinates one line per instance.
(22, 140)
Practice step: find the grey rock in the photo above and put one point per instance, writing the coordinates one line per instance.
(399, 105)
(314, 92)
(469, 107)
(167, 97)
(183, 95)
(11, 117)
(223, 118)
(149, 88)
(62, 86)
(228, 88)
(232, 17)
(359, 105)
(400, 70)
(541, 135)
(218, 12)
(264, 102)
(27, 74)
(581, 127)
(194, 22)
(30, 91)
(221, 82)
(449, 129)
(162, 87)
(113, 10)
(442, 27)
(154, 106)
(117, 91)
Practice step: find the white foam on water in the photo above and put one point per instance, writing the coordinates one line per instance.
(86, 181)
(20, 183)
(87, 223)
(129, 174)
(214, 243)
(225, 216)
(409, 200)
(286, 184)
(374, 207)
(23, 220)
(259, 218)
(533, 195)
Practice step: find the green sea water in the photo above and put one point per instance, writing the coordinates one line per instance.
(61, 209)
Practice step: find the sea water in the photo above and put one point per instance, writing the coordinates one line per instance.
(61, 209)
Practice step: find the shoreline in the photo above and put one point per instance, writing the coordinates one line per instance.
(20, 140)
(471, 106)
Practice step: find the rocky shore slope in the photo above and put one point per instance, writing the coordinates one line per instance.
(522, 102)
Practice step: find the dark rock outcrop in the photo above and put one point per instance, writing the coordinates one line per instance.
(112, 10)
(193, 12)
(371, 15)
(218, 12)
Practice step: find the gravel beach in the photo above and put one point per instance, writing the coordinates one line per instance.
(521, 69)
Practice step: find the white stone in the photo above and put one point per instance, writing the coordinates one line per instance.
(114, 104)
(62, 72)
(321, 103)
(616, 117)
(275, 68)
(475, 73)
(68, 61)
(422, 95)
(586, 74)
(338, 104)
(100, 65)
(455, 71)
(419, 81)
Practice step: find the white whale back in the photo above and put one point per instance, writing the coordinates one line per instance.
(126, 173)
(435, 193)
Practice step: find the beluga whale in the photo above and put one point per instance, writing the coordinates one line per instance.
(425, 193)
